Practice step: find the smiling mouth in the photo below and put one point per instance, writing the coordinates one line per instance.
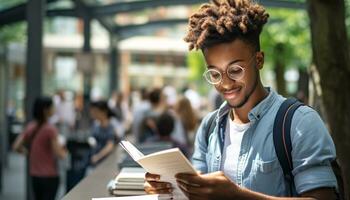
(232, 93)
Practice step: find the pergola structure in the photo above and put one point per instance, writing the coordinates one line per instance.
(34, 11)
(104, 11)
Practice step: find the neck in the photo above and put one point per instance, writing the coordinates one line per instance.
(104, 121)
(165, 138)
(240, 115)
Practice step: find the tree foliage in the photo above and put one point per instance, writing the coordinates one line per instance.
(196, 64)
(13, 33)
(291, 29)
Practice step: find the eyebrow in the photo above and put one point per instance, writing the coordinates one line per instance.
(232, 62)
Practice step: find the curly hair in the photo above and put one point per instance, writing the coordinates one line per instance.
(225, 21)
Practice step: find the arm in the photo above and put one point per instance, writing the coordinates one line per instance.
(57, 148)
(313, 151)
(18, 145)
(103, 153)
(217, 186)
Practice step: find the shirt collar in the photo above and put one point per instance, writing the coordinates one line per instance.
(257, 112)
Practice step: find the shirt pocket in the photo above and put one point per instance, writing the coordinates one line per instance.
(266, 167)
(267, 177)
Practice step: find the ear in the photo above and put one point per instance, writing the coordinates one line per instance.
(260, 58)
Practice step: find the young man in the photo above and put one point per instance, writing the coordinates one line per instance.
(238, 160)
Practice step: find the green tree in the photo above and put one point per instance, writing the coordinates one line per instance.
(12, 33)
(286, 43)
(196, 65)
(331, 56)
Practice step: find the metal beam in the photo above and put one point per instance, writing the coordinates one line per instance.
(151, 24)
(87, 33)
(116, 8)
(14, 14)
(62, 12)
(114, 64)
(127, 31)
(35, 12)
(17, 13)
(82, 9)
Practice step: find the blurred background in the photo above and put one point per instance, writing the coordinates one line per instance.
(124, 51)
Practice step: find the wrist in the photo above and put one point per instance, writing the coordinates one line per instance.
(242, 193)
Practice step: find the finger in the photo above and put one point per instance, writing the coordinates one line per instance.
(169, 191)
(191, 189)
(194, 179)
(192, 195)
(187, 183)
(159, 185)
(152, 177)
(152, 190)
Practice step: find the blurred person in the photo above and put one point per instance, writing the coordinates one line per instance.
(187, 118)
(171, 95)
(158, 106)
(165, 124)
(102, 131)
(139, 112)
(65, 113)
(40, 141)
(192, 94)
(234, 146)
(122, 116)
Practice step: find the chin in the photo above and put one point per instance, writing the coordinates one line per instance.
(235, 104)
(238, 102)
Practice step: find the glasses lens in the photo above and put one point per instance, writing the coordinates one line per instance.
(235, 72)
(212, 76)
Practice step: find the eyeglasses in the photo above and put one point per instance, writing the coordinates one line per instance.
(233, 71)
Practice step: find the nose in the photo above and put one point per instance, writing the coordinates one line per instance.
(226, 82)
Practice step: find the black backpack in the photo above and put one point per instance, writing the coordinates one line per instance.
(283, 145)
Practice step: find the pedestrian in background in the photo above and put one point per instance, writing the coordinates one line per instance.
(40, 142)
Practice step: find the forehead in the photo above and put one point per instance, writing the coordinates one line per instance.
(222, 54)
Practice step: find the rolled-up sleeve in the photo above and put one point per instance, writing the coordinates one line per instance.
(313, 151)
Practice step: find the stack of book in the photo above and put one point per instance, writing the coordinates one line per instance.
(130, 181)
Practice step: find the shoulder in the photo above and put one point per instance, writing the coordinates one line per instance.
(204, 127)
(309, 133)
(49, 129)
(209, 118)
(306, 118)
(29, 128)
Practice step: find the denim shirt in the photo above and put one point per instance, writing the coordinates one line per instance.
(258, 165)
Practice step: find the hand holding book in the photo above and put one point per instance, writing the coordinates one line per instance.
(153, 185)
(166, 164)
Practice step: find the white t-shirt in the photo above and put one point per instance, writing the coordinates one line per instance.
(233, 138)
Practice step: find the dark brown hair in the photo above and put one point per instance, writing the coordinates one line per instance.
(225, 21)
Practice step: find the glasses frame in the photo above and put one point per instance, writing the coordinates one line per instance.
(226, 72)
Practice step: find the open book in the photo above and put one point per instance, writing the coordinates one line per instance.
(166, 163)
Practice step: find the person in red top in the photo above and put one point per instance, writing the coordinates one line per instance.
(40, 142)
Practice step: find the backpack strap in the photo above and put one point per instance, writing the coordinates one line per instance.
(282, 139)
(210, 128)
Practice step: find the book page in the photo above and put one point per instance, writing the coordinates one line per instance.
(131, 149)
